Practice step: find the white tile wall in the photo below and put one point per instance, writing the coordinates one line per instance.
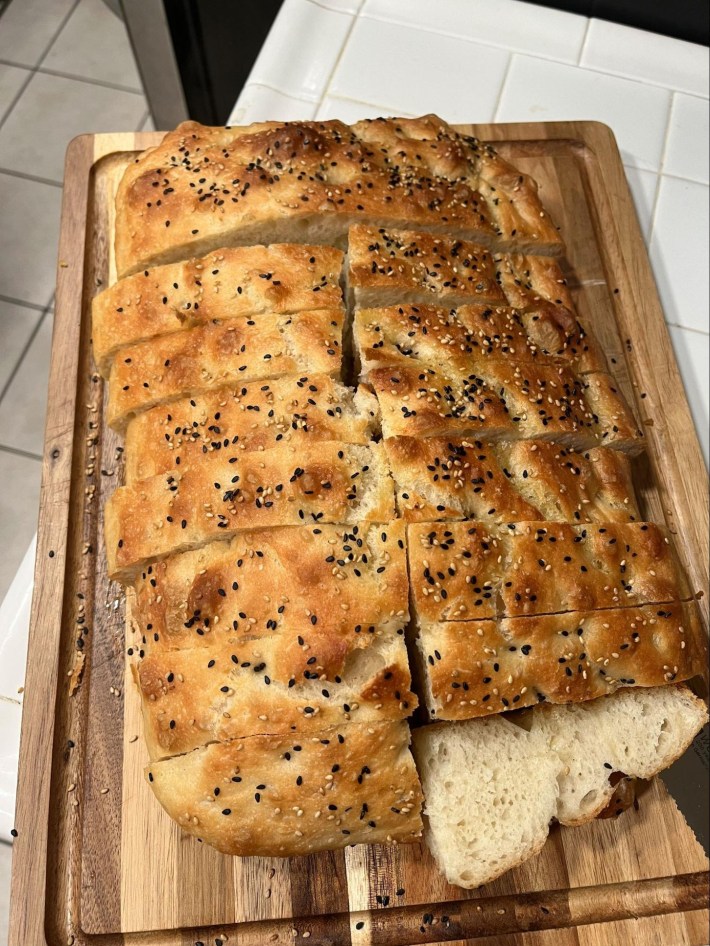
(451, 76)
(644, 186)
(302, 49)
(679, 252)
(260, 103)
(540, 91)
(647, 57)
(688, 136)
(509, 24)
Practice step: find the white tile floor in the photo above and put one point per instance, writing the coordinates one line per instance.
(66, 67)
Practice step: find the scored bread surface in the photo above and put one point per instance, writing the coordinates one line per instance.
(231, 282)
(284, 795)
(250, 417)
(277, 523)
(202, 188)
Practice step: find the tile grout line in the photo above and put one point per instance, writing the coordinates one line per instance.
(31, 177)
(19, 452)
(271, 88)
(43, 70)
(33, 69)
(504, 80)
(657, 195)
(57, 34)
(326, 88)
(15, 371)
(35, 306)
(687, 328)
(584, 42)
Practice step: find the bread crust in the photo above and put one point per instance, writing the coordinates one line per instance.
(387, 266)
(351, 579)
(250, 417)
(229, 283)
(211, 356)
(460, 340)
(476, 668)
(287, 795)
(464, 571)
(175, 512)
(207, 187)
(280, 683)
(442, 478)
(506, 401)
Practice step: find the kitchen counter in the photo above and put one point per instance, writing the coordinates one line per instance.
(481, 61)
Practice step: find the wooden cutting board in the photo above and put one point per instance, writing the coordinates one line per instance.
(96, 860)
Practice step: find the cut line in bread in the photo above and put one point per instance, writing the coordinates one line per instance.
(267, 183)
(250, 417)
(210, 356)
(226, 494)
(481, 667)
(231, 282)
(281, 796)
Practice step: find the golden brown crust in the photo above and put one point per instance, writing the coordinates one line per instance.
(277, 684)
(455, 478)
(222, 353)
(532, 282)
(250, 417)
(459, 341)
(287, 795)
(475, 668)
(207, 187)
(391, 267)
(462, 571)
(174, 512)
(501, 400)
(226, 284)
(353, 579)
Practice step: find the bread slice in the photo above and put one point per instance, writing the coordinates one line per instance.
(505, 401)
(286, 795)
(226, 494)
(393, 267)
(250, 417)
(462, 340)
(441, 478)
(210, 356)
(346, 581)
(229, 283)
(492, 788)
(203, 188)
(467, 570)
(480, 667)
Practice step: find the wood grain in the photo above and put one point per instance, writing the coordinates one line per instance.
(96, 859)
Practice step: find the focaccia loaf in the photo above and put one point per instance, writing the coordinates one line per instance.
(457, 478)
(250, 417)
(287, 795)
(175, 512)
(278, 523)
(204, 188)
(226, 284)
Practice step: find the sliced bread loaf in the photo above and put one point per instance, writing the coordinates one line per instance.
(492, 787)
